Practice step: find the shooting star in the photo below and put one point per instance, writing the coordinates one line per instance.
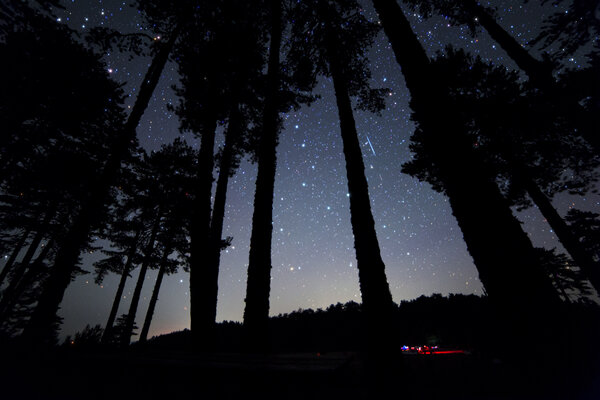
(372, 149)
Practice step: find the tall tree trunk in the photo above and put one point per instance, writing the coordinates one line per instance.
(377, 300)
(539, 73)
(494, 237)
(9, 295)
(565, 235)
(40, 328)
(258, 286)
(154, 298)
(135, 299)
(200, 231)
(208, 285)
(13, 256)
(108, 329)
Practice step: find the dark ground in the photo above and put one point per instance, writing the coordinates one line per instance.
(65, 375)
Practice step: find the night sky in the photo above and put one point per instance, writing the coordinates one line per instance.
(313, 253)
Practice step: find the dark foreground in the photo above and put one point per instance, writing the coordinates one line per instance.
(143, 375)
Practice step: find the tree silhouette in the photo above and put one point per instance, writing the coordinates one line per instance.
(127, 231)
(566, 277)
(61, 119)
(173, 236)
(473, 14)
(228, 161)
(527, 149)
(281, 92)
(164, 264)
(115, 263)
(43, 318)
(207, 92)
(572, 97)
(540, 73)
(166, 178)
(11, 293)
(337, 37)
(226, 89)
(469, 184)
(148, 258)
(16, 249)
(570, 29)
(586, 228)
(258, 286)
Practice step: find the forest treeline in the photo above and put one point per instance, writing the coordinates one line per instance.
(72, 170)
(457, 321)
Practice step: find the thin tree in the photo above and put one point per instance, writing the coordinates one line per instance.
(164, 268)
(122, 262)
(178, 166)
(258, 285)
(166, 178)
(149, 255)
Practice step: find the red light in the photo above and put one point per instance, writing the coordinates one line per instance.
(449, 352)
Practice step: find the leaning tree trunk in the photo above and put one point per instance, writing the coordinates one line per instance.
(258, 286)
(108, 329)
(34, 272)
(494, 237)
(208, 285)
(154, 298)
(13, 256)
(135, 299)
(40, 328)
(200, 231)
(10, 294)
(378, 305)
(565, 235)
(539, 73)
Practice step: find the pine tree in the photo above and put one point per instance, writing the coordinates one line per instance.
(338, 37)
(258, 285)
(527, 150)
(91, 210)
(571, 30)
(469, 184)
(165, 179)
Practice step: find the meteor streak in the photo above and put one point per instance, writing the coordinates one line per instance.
(372, 149)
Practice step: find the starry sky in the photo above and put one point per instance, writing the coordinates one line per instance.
(313, 255)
